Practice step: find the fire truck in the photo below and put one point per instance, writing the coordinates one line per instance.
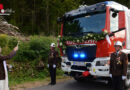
(87, 39)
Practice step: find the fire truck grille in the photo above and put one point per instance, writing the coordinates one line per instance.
(79, 68)
(86, 54)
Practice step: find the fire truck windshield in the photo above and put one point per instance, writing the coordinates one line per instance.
(85, 24)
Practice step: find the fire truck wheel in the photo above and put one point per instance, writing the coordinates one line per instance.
(127, 82)
(109, 82)
(79, 79)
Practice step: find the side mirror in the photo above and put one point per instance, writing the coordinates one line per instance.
(114, 15)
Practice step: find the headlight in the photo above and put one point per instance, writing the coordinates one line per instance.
(103, 63)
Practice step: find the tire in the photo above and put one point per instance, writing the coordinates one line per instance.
(78, 79)
(109, 82)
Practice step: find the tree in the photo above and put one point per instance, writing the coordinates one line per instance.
(40, 16)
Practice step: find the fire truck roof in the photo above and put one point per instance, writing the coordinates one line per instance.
(99, 7)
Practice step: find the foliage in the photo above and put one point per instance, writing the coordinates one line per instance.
(12, 42)
(18, 74)
(3, 40)
(25, 63)
(59, 72)
(89, 36)
(40, 16)
(36, 49)
(7, 43)
(23, 53)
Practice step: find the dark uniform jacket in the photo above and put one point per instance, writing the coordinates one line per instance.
(2, 58)
(52, 59)
(118, 64)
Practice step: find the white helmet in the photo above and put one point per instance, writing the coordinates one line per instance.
(119, 43)
(52, 45)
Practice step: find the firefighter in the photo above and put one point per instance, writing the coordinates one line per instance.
(3, 69)
(118, 67)
(52, 63)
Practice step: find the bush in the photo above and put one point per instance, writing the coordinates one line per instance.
(12, 42)
(36, 49)
(25, 71)
(22, 53)
(7, 43)
(3, 40)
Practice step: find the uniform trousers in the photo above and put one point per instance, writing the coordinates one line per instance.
(52, 74)
(117, 83)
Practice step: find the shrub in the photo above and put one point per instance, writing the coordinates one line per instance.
(7, 43)
(12, 42)
(25, 71)
(36, 49)
(3, 40)
(22, 53)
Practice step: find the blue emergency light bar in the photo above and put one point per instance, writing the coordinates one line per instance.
(79, 55)
(82, 55)
(76, 55)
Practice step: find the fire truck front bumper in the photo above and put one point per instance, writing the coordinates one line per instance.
(100, 67)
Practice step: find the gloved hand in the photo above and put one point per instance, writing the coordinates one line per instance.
(123, 77)
(54, 66)
(110, 75)
(48, 65)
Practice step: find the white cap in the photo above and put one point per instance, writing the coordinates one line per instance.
(119, 43)
(52, 45)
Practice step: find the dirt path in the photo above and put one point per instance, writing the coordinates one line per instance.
(38, 83)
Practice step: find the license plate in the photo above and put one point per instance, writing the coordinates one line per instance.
(79, 63)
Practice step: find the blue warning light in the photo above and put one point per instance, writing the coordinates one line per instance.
(82, 55)
(76, 55)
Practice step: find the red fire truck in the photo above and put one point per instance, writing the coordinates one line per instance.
(87, 39)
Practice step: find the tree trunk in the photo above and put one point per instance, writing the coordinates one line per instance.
(47, 17)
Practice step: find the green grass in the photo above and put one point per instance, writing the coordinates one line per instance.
(42, 76)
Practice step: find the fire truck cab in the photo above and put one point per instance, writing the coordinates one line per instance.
(82, 51)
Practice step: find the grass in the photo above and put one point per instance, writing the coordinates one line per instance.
(37, 83)
(21, 80)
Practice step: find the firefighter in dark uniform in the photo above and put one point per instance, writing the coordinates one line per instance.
(52, 63)
(118, 67)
